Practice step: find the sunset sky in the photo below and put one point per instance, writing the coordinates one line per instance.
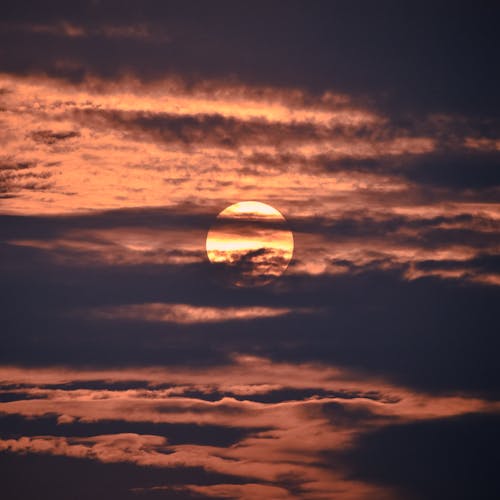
(369, 370)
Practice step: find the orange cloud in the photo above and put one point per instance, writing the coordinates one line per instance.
(188, 314)
(98, 146)
(286, 438)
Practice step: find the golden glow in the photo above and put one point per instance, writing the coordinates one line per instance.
(85, 148)
(251, 242)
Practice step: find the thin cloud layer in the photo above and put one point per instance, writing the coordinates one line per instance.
(187, 314)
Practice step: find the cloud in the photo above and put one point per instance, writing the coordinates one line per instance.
(13, 180)
(16, 165)
(456, 170)
(222, 131)
(187, 314)
(126, 359)
(243, 390)
(399, 69)
(50, 137)
(349, 242)
(139, 144)
(12, 426)
(441, 458)
(357, 324)
(60, 476)
(248, 491)
(419, 162)
(253, 443)
(143, 32)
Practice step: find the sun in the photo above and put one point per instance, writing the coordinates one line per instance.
(250, 243)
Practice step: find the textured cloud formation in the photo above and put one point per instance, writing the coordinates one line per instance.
(369, 369)
(133, 144)
(330, 406)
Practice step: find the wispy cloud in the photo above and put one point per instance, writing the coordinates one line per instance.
(270, 458)
(188, 314)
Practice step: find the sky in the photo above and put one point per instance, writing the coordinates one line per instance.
(369, 369)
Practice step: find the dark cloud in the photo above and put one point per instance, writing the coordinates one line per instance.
(374, 320)
(459, 170)
(50, 137)
(474, 231)
(251, 268)
(213, 129)
(187, 216)
(362, 223)
(393, 231)
(12, 181)
(34, 477)
(16, 165)
(6, 396)
(283, 395)
(419, 57)
(439, 459)
(341, 415)
(15, 393)
(485, 263)
(452, 169)
(14, 426)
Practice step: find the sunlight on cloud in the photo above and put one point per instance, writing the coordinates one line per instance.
(189, 314)
(307, 410)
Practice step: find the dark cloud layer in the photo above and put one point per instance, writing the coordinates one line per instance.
(460, 170)
(58, 478)
(50, 137)
(13, 426)
(445, 458)
(421, 56)
(426, 232)
(375, 320)
(457, 169)
(184, 216)
(199, 129)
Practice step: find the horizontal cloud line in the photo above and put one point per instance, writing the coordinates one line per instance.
(190, 314)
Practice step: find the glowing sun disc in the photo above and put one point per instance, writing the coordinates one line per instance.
(250, 243)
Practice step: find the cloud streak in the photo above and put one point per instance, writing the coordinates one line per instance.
(268, 458)
(188, 314)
